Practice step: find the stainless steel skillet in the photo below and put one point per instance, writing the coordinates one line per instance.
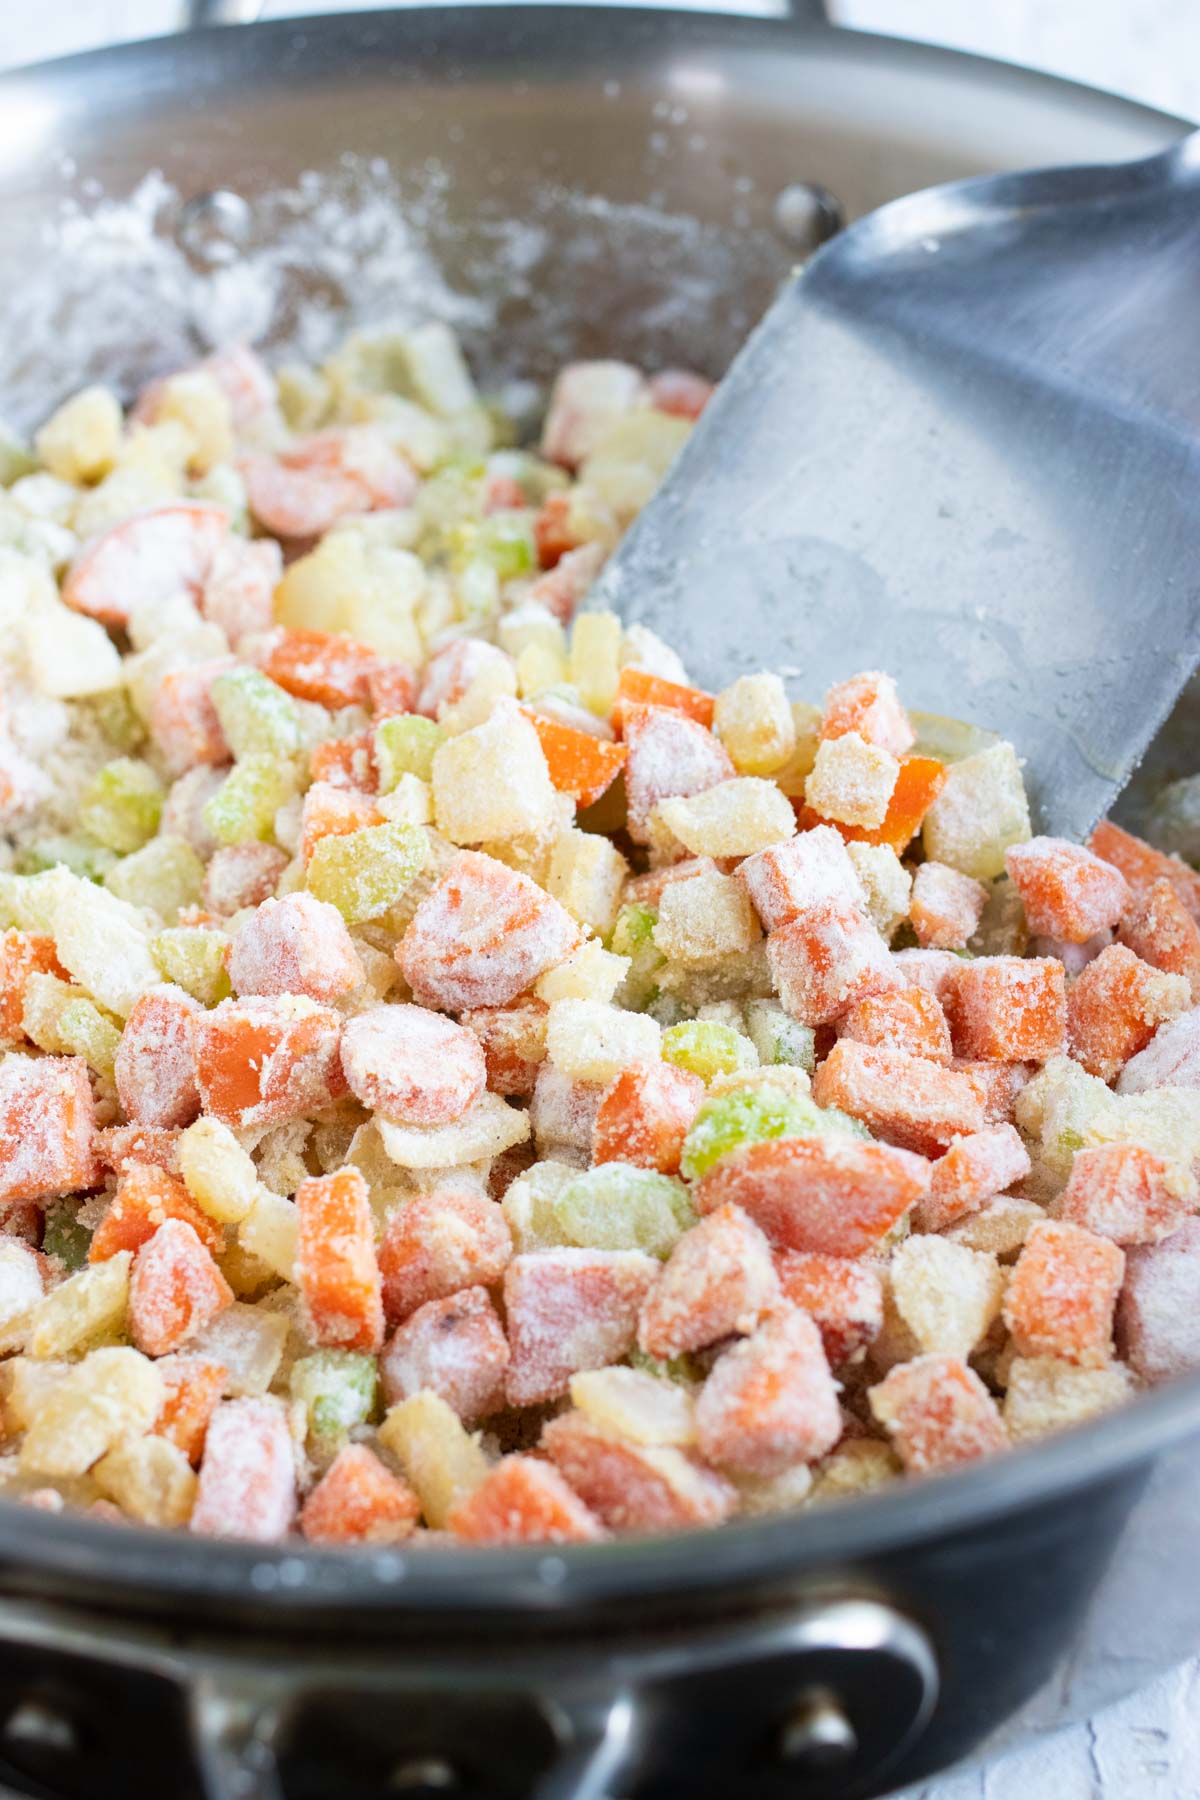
(561, 181)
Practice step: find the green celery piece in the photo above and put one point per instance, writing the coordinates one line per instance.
(365, 872)
(82, 856)
(165, 875)
(503, 539)
(121, 806)
(405, 745)
(242, 811)
(16, 459)
(338, 1389)
(114, 715)
(257, 716)
(778, 1038)
(63, 1236)
(748, 1115)
(86, 1031)
(194, 959)
(617, 1206)
(669, 1368)
(707, 1048)
(634, 926)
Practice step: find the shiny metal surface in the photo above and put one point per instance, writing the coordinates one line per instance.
(962, 447)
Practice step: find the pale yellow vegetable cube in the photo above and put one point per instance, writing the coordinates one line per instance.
(270, 1231)
(249, 1341)
(20, 1285)
(44, 1000)
(218, 1174)
(589, 1041)
(26, 1383)
(442, 1461)
(150, 1479)
(593, 663)
(852, 781)
(705, 919)
(437, 370)
(409, 803)
(886, 885)
(1046, 1395)
(83, 1309)
(487, 1128)
(495, 682)
(999, 1227)
(112, 1394)
(642, 648)
(586, 875)
(754, 722)
(735, 818)
(532, 626)
(762, 1495)
(629, 461)
(69, 655)
(103, 942)
(539, 668)
(980, 812)
(529, 1205)
(81, 440)
(195, 401)
(590, 973)
(856, 1467)
(492, 782)
(945, 1295)
(636, 1405)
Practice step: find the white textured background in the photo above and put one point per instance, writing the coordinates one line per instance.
(1148, 1747)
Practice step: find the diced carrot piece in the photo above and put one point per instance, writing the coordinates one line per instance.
(946, 906)
(439, 1243)
(938, 1414)
(1158, 1314)
(908, 1019)
(838, 1196)
(330, 810)
(552, 531)
(974, 1170)
(580, 764)
(680, 392)
(22, 954)
(935, 971)
(392, 687)
(770, 1402)
(456, 1348)
(1126, 1193)
(524, 1501)
(569, 1310)
(183, 719)
(842, 1297)
(359, 1501)
(482, 935)
(297, 945)
(715, 1284)
(636, 687)
(194, 1385)
(826, 960)
(247, 1485)
(869, 705)
(347, 762)
(119, 1146)
(150, 556)
(904, 1099)
(920, 781)
(156, 1062)
(175, 1289)
(561, 588)
(995, 1086)
(238, 876)
(670, 755)
(47, 1127)
(336, 1270)
(645, 1115)
(412, 1065)
(318, 665)
(1115, 1007)
(1062, 1293)
(514, 1043)
(808, 871)
(147, 1196)
(503, 493)
(635, 1487)
(1159, 928)
(1142, 865)
(1007, 1009)
(261, 1061)
(1068, 892)
(563, 1112)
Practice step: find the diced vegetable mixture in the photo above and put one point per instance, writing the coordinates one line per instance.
(461, 1081)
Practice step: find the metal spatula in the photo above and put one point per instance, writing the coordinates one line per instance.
(963, 446)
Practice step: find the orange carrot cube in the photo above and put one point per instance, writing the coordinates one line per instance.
(156, 1061)
(247, 1486)
(1158, 927)
(938, 1414)
(946, 906)
(680, 392)
(456, 1348)
(908, 1019)
(808, 871)
(359, 1501)
(842, 1297)
(934, 971)
(635, 1487)
(183, 719)
(336, 1270)
(297, 945)
(22, 954)
(1158, 1314)
(482, 935)
(318, 665)
(637, 688)
(175, 1289)
(514, 1043)
(194, 1385)
(392, 687)
(1008, 1009)
(1115, 1007)
(347, 762)
(1068, 892)
(524, 1501)
(146, 1197)
(569, 1310)
(645, 1115)
(838, 1196)
(411, 1064)
(715, 1284)
(869, 705)
(826, 960)
(439, 1243)
(552, 530)
(120, 1146)
(1142, 866)
(563, 1112)
(906, 1100)
(1062, 1293)
(770, 1402)
(579, 763)
(1126, 1193)
(242, 875)
(47, 1127)
(920, 781)
(974, 1170)
(330, 810)
(261, 1061)
(669, 755)
(995, 1086)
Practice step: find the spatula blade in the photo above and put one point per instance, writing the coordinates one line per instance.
(963, 446)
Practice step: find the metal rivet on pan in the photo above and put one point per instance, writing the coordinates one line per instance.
(213, 227)
(816, 1733)
(806, 214)
(423, 1774)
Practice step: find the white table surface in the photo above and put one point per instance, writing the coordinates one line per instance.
(1148, 1747)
